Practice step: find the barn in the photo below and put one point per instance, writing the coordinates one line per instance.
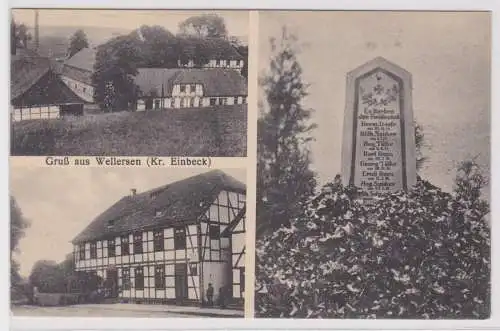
(77, 73)
(37, 91)
(189, 88)
(167, 244)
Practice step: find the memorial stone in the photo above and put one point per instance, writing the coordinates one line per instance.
(378, 152)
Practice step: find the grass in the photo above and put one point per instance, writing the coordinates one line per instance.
(216, 131)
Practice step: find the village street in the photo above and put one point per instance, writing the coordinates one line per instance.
(124, 310)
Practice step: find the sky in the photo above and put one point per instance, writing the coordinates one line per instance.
(60, 202)
(447, 53)
(236, 21)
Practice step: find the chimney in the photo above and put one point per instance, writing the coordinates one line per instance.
(133, 192)
(13, 37)
(37, 31)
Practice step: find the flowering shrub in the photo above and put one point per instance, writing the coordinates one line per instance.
(418, 254)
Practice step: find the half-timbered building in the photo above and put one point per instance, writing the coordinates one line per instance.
(189, 88)
(217, 52)
(167, 244)
(37, 91)
(77, 73)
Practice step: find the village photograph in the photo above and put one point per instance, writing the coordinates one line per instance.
(373, 173)
(127, 242)
(128, 82)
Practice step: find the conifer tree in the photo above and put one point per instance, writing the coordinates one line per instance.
(284, 175)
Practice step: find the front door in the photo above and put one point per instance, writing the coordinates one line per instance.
(149, 103)
(181, 288)
(112, 283)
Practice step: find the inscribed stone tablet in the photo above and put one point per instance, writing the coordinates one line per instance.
(379, 143)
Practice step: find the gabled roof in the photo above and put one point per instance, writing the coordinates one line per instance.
(181, 202)
(83, 60)
(25, 72)
(151, 80)
(215, 81)
(214, 48)
(77, 74)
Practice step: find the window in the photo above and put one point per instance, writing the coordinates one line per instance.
(160, 277)
(244, 100)
(158, 240)
(126, 278)
(138, 243)
(224, 101)
(179, 238)
(214, 232)
(81, 249)
(193, 269)
(157, 104)
(221, 62)
(139, 278)
(182, 88)
(213, 101)
(192, 88)
(111, 223)
(125, 247)
(84, 90)
(93, 250)
(111, 248)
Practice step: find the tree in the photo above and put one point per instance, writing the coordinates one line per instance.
(243, 50)
(205, 25)
(418, 254)
(78, 42)
(19, 36)
(116, 64)
(159, 47)
(47, 277)
(18, 226)
(284, 177)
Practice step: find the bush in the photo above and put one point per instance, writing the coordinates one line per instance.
(418, 254)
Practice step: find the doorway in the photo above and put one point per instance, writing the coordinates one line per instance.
(181, 285)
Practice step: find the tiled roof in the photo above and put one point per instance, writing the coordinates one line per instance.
(25, 72)
(77, 74)
(215, 81)
(215, 48)
(84, 59)
(181, 202)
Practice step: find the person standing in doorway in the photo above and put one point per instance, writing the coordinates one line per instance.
(210, 294)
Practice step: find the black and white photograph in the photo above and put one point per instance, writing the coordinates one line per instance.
(128, 82)
(127, 242)
(373, 169)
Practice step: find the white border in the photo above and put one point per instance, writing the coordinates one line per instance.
(493, 323)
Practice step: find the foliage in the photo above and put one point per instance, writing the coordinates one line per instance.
(47, 277)
(284, 177)
(116, 64)
(147, 47)
(243, 50)
(19, 36)
(159, 47)
(205, 25)
(77, 42)
(418, 254)
(18, 226)
(419, 145)
(51, 277)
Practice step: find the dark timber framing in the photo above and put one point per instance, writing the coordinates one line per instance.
(147, 267)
